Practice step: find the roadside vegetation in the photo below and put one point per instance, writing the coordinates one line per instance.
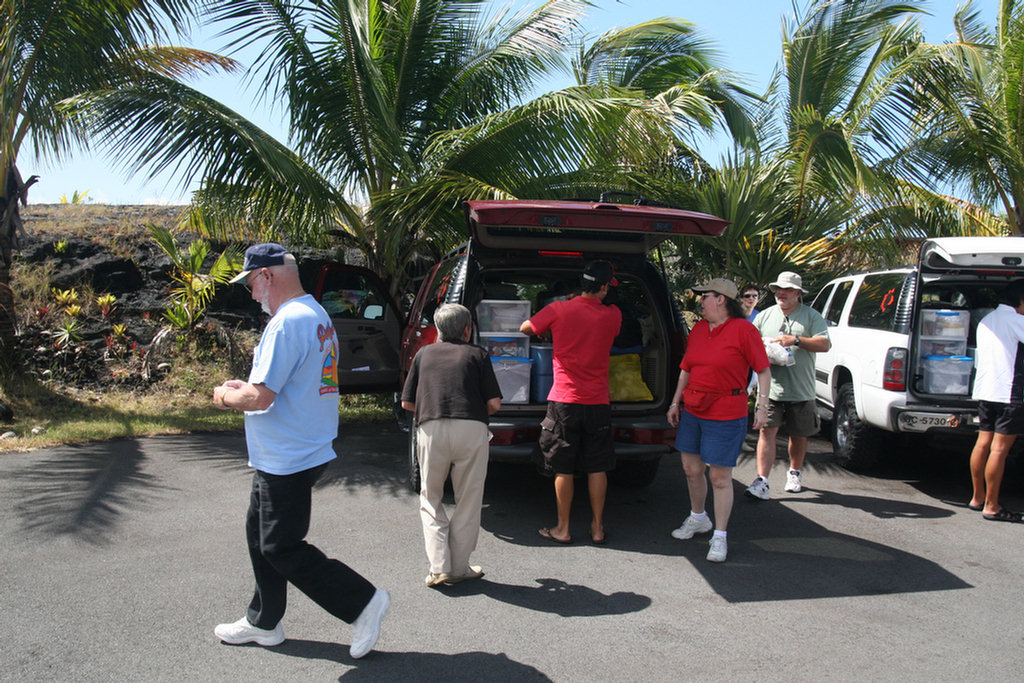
(81, 374)
(868, 140)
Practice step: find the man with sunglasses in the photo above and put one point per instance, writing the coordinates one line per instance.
(804, 332)
(748, 300)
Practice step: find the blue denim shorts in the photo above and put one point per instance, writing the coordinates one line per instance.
(717, 442)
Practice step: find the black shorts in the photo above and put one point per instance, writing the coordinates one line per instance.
(1001, 418)
(577, 438)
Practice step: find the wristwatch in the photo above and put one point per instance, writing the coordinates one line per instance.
(797, 342)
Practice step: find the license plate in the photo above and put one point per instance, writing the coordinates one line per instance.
(920, 422)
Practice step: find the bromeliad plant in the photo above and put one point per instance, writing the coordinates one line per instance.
(105, 302)
(65, 297)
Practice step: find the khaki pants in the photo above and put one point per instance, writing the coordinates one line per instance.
(459, 446)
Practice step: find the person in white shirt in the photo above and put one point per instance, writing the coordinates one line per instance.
(290, 403)
(999, 390)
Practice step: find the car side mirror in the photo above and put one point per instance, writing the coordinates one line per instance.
(373, 312)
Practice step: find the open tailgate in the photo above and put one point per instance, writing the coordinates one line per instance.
(582, 226)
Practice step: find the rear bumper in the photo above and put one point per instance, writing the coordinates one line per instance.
(637, 439)
(920, 419)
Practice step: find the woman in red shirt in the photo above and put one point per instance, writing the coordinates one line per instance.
(712, 420)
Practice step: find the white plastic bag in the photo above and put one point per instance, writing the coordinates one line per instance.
(777, 353)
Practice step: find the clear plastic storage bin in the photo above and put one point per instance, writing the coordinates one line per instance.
(513, 378)
(497, 315)
(943, 347)
(942, 323)
(505, 345)
(947, 374)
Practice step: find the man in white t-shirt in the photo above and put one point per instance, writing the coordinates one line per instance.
(291, 420)
(999, 390)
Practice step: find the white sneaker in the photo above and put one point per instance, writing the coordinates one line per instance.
(719, 549)
(242, 631)
(793, 482)
(692, 526)
(759, 489)
(366, 628)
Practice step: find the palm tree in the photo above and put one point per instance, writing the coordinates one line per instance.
(52, 49)
(398, 110)
(968, 109)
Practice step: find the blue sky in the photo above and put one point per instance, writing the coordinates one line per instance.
(746, 32)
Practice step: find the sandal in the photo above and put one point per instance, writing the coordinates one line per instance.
(1005, 515)
(546, 533)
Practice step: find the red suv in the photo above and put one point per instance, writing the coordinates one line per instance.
(520, 256)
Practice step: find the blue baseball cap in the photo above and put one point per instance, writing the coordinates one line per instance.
(262, 256)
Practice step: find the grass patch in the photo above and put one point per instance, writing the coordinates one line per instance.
(50, 413)
(65, 417)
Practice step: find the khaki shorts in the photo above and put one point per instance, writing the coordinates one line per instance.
(800, 418)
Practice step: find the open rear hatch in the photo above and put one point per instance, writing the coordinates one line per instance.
(582, 226)
(995, 254)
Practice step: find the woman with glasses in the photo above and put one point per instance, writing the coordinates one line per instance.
(712, 419)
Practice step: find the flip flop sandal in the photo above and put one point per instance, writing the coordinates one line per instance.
(1005, 515)
(546, 533)
(976, 508)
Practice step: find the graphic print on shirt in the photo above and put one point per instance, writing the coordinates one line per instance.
(329, 369)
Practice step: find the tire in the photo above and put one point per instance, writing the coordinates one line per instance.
(856, 445)
(634, 474)
(414, 463)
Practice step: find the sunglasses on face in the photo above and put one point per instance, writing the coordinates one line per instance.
(751, 296)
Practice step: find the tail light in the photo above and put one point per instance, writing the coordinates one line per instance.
(894, 374)
(644, 436)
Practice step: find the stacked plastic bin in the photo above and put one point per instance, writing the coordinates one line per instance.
(498, 324)
(942, 348)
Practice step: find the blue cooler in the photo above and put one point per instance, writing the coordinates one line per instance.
(543, 376)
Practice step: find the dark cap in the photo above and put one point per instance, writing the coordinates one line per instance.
(263, 256)
(600, 273)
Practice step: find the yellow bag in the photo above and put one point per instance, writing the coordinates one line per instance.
(625, 380)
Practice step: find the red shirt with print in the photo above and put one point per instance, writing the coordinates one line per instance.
(582, 332)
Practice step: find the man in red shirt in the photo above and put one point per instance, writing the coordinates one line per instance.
(576, 434)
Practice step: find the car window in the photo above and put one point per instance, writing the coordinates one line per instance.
(875, 304)
(819, 301)
(352, 296)
(835, 307)
(437, 293)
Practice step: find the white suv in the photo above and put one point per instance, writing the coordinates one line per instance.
(903, 343)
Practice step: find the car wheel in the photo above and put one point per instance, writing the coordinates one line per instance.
(414, 463)
(854, 443)
(634, 474)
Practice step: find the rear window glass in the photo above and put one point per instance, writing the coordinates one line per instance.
(875, 304)
(438, 292)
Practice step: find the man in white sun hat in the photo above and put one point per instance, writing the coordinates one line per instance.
(803, 331)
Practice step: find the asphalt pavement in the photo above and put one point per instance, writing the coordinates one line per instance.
(119, 558)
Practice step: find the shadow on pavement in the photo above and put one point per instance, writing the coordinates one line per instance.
(415, 666)
(83, 490)
(775, 552)
(554, 596)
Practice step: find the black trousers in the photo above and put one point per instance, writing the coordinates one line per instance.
(275, 528)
